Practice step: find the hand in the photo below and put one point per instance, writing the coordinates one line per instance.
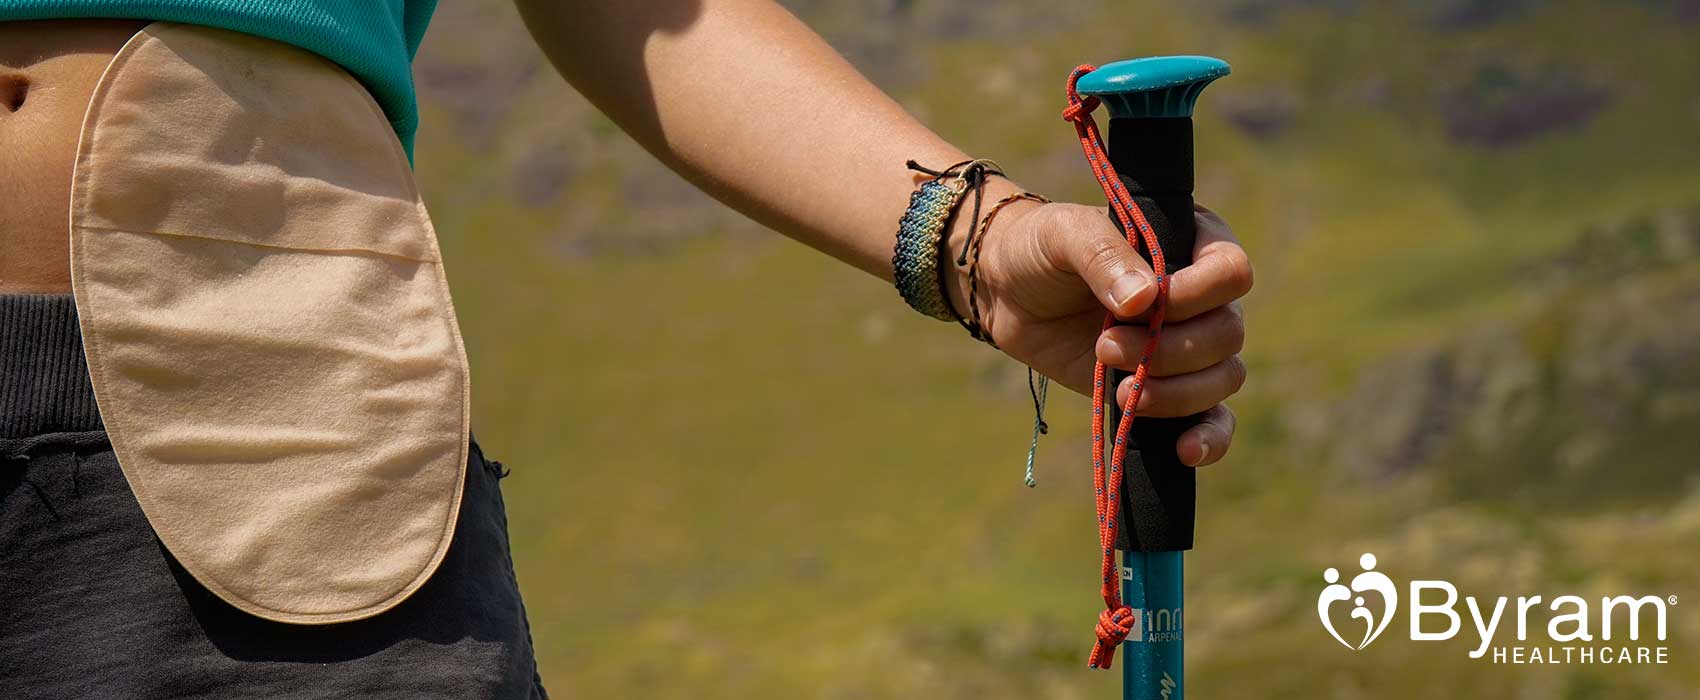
(1049, 272)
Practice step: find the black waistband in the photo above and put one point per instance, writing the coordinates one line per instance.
(44, 380)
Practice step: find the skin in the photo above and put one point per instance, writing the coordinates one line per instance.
(747, 102)
(729, 93)
(48, 70)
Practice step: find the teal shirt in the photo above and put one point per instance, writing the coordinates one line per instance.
(374, 40)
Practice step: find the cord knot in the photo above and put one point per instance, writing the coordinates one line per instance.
(1114, 625)
(1076, 111)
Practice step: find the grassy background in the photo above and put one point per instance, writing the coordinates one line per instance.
(743, 471)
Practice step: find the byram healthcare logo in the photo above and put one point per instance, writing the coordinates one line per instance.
(1370, 581)
(1373, 599)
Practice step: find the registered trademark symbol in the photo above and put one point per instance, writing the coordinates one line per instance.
(1672, 600)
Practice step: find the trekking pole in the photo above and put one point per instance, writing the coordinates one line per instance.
(1150, 103)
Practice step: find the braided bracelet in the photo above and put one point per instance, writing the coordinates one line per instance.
(971, 254)
(917, 260)
(976, 326)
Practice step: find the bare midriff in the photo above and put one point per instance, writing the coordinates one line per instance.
(48, 70)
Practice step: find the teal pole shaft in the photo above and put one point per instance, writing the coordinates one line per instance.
(1155, 660)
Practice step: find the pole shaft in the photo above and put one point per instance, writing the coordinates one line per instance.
(1154, 662)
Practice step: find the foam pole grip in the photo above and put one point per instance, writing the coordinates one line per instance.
(1153, 156)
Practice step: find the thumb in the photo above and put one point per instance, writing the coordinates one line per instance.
(1082, 240)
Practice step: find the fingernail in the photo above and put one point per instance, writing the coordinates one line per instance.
(1126, 288)
(1203, 454)
(1110, 352)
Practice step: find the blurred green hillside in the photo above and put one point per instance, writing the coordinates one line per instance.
(741, 470)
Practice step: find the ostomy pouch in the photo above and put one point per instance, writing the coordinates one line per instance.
(267, 323)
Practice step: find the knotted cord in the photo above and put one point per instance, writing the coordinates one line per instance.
(1039, 390)
(1117, 619)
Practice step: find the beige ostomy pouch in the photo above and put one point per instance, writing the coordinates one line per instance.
(267, 323)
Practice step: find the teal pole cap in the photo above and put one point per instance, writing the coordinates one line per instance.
(1160, 86)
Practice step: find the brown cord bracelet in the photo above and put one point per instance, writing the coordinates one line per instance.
(975, 325)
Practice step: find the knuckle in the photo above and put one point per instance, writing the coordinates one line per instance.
(1101, 254)
(1236, 373)
(1048, 220)
(1082, 218)
(1219, 418)
(1237, 311)
(1233, 329)
(1063, 236)
(1238, 274)
(1130, 336)
(1051, 218)
(1064, 220)
(1235, 342)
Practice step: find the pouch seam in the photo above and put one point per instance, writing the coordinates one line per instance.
(350, 252)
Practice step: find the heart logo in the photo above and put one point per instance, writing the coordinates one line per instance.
(1374, 617)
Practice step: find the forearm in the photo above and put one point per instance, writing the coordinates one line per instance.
(753, 107)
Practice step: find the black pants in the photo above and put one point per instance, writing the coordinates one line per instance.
(93, 606)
